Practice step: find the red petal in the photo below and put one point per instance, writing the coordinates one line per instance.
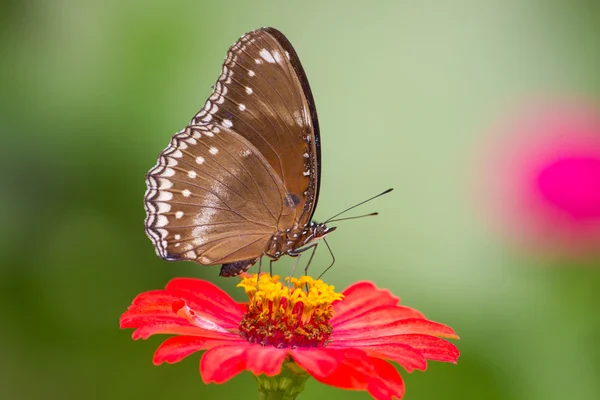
(153, 297)
(151, 319)
(319, 362)
(403, 354)
(378, 316)
(351, 369)
(345, 368)
(153, 311)
(177, 348)
(222, 363)
(204, 297)
(397, 327)
(432, 348)
(361, 297)
(393, 332)
(137, 317)
(171, 329)
(264, 360)
(385, 383)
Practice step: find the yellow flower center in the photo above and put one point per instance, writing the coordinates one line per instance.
(282, 316)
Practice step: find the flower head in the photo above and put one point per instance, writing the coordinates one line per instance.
(341, 339)
(546, 177)
(282, 317)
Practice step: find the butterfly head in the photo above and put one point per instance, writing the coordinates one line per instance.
(320, 230)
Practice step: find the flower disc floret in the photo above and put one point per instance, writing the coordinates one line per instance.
(287, 316)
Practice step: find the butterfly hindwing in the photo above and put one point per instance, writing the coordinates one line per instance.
(212, 198)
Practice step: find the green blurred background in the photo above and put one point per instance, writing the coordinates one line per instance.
(92, 91)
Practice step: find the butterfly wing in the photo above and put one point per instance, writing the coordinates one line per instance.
(213, 198)
(263, 95)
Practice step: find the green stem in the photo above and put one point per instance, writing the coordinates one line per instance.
(285, 386)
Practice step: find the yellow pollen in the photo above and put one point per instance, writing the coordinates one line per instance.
(287, 317)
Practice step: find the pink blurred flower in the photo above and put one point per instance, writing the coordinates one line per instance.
(546, 177)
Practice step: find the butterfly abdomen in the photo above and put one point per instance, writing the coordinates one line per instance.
(236, 268)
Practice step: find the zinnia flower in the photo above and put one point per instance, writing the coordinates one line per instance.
(546, 177)
(344, 340)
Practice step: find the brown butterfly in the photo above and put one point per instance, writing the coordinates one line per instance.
(242, 179)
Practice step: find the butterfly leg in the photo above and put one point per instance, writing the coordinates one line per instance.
(259, 270)
(293, 270)
(296, 253)
(314, 247)
(332, 262)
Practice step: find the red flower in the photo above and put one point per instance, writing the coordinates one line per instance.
(343, 340)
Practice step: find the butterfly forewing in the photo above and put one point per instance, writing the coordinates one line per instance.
(213, 198)
(263, 95)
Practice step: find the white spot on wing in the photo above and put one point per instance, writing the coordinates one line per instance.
(242, 107)
(163, 207)
(164, 183)
(213, 150)
(249, 90)
(200, 160)
(177, 237)
(190, 254)
(277, 56)
(306, 173)
(186, 192)
(161, 221)
(268, 57)
(169, 172)
(227, 123)
(164, 196)
(179, 214)
(192, 174)
(251, 73)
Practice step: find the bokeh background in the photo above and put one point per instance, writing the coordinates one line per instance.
(406, 90)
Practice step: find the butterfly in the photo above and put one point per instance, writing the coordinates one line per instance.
(241, 181)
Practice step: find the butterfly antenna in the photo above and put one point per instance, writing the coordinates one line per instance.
(359, 216)
(359, 204)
